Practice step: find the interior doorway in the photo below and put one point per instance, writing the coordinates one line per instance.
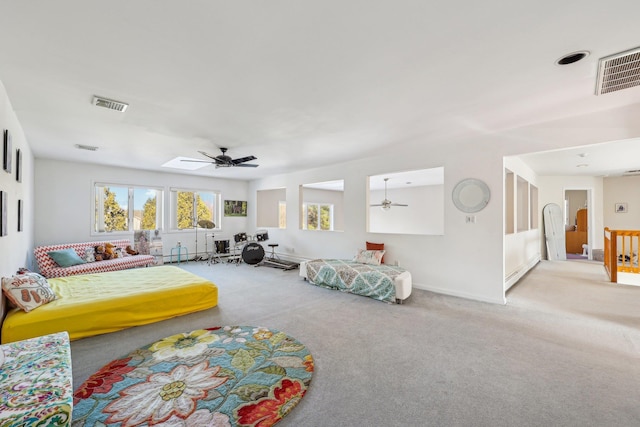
(577, 223)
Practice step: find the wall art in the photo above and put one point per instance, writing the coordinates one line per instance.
(6, 156)
(621, 208)
(20, 213)
(18, 165)
(3, 213)
(235, 208)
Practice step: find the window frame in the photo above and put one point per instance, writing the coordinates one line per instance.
(305, 215)
(97, 213)
(173, 208)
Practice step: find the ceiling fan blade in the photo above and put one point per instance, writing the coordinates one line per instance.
(245, 165)
(243, 159)
(207, 155)
(196, 161)
(399, 204)
(379, 204)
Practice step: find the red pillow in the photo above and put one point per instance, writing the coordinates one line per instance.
(376, 247)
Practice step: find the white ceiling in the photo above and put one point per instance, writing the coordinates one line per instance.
(606, 159)
(298, 84)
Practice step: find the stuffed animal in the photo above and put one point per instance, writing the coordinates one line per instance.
(100, 254)
(109, 250)
(130, 250)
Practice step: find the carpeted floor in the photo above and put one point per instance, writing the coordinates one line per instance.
(564, 351)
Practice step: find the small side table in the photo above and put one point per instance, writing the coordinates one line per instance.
(179, 249)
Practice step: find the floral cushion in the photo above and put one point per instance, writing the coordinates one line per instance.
(370, 246)
(90, 254)
(369, 257)
(36, 385)
(27, 291)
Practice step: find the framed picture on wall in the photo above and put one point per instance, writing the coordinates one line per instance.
(6, 152)
(20, 213)
(621, 208)
(235, 208)
(3, 213)
(18, 165)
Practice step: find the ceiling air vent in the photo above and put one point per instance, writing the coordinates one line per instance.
(110, 104)
(632, 172)
(619, 71)
(86, 147)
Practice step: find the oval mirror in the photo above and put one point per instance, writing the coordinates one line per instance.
(471, 195)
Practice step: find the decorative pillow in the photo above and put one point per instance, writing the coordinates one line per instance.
(90, 254)
(369, 257)
(66, 257)
(27, 291)
(376, 247)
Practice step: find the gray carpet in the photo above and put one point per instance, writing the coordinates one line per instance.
(552, 356)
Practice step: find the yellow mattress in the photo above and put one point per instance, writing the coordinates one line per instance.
(92, 304)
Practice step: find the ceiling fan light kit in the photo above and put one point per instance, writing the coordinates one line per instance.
(386, 204)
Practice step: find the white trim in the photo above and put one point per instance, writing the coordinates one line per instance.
(465, 295)
(514, 276)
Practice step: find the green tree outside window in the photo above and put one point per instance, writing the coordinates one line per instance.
(115, 217)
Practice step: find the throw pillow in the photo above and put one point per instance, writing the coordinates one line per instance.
(66, 257)
(376, 247)
(90, 254)
(369, 257)
(27, 291)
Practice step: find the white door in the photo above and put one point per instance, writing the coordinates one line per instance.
(554, 232)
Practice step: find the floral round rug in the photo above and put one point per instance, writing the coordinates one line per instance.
(228, 376)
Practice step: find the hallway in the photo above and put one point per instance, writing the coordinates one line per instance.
(579, 293)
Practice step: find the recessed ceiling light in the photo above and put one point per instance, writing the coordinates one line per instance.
(583, 155)
(582, 165)
(570, 58)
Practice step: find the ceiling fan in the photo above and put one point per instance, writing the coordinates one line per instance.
(224, 161)
(386, 203)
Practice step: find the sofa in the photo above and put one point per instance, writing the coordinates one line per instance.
(49, 268)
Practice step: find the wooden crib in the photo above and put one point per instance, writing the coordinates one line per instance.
(621, 249)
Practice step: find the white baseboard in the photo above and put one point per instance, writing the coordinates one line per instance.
(516, 275)
(458, 294)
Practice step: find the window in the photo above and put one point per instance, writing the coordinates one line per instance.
(126, 208)
(318, 216)
(191, 207)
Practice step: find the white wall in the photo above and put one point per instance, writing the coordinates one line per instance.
(624, 189)
(64, 190)
(466, 261)
(424, 215)
(521, 248)
(16, 247)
